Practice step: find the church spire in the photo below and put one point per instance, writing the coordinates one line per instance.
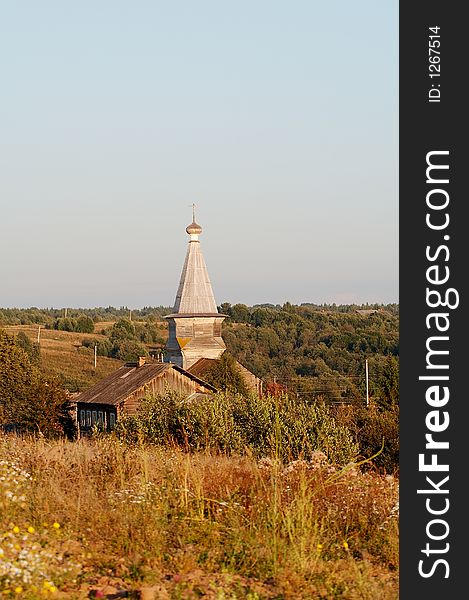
(195, 294)
(195, 323)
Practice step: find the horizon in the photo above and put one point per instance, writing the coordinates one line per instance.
(167, 307)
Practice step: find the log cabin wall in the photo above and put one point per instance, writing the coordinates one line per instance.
(170, 379)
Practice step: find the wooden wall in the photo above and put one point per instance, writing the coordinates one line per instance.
(170, 379)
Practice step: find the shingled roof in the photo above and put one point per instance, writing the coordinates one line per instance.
(129, 378)
(195, 294)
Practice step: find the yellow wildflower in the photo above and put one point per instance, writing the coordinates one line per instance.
(16, 529)
(56, 525)
(18, 590)
(345, 545)
(319, 547)
(52, 589)
(31, 529)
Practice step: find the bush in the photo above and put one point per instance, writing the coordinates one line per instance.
(231, 423)
(370, 427)
(376, 427)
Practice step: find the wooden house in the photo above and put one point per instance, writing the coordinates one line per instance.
(120, 392)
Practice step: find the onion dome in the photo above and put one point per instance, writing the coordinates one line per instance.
(194, 228)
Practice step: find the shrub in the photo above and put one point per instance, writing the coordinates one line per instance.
(374, 429)
(231, 423)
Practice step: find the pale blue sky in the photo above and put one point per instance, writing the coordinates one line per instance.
(279, 119)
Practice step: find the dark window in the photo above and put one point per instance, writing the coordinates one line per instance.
(82, 418)
(88, 418)
(94, 417)
(100, 418)
(112, 420)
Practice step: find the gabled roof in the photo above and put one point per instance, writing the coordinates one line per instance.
(129, 378)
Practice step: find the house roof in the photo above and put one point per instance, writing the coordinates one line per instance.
(118, 386)
(203, 365)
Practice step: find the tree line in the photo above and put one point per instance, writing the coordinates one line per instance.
(48, 316)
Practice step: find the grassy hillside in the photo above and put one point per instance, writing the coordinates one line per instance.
(63, 356)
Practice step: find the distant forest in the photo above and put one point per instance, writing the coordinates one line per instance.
(308, 350)
(319, 350)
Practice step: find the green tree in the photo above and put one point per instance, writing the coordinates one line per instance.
(29, 400)
(16, 376)
(64, 324)
(225, 375)
(123, 329)
(390, 382)
(84, 324)
(240, 313)
(128, 350)
(32, 349)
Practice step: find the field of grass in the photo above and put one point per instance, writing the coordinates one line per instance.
(63, 356)
(97, 518)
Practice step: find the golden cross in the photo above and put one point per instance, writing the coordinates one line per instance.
(193, 211)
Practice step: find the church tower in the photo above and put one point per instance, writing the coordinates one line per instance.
(195, 323)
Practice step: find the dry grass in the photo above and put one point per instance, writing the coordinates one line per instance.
(175, 525)
(63, 356)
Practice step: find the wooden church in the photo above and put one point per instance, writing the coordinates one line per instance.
(195, 323)
(194, 344)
